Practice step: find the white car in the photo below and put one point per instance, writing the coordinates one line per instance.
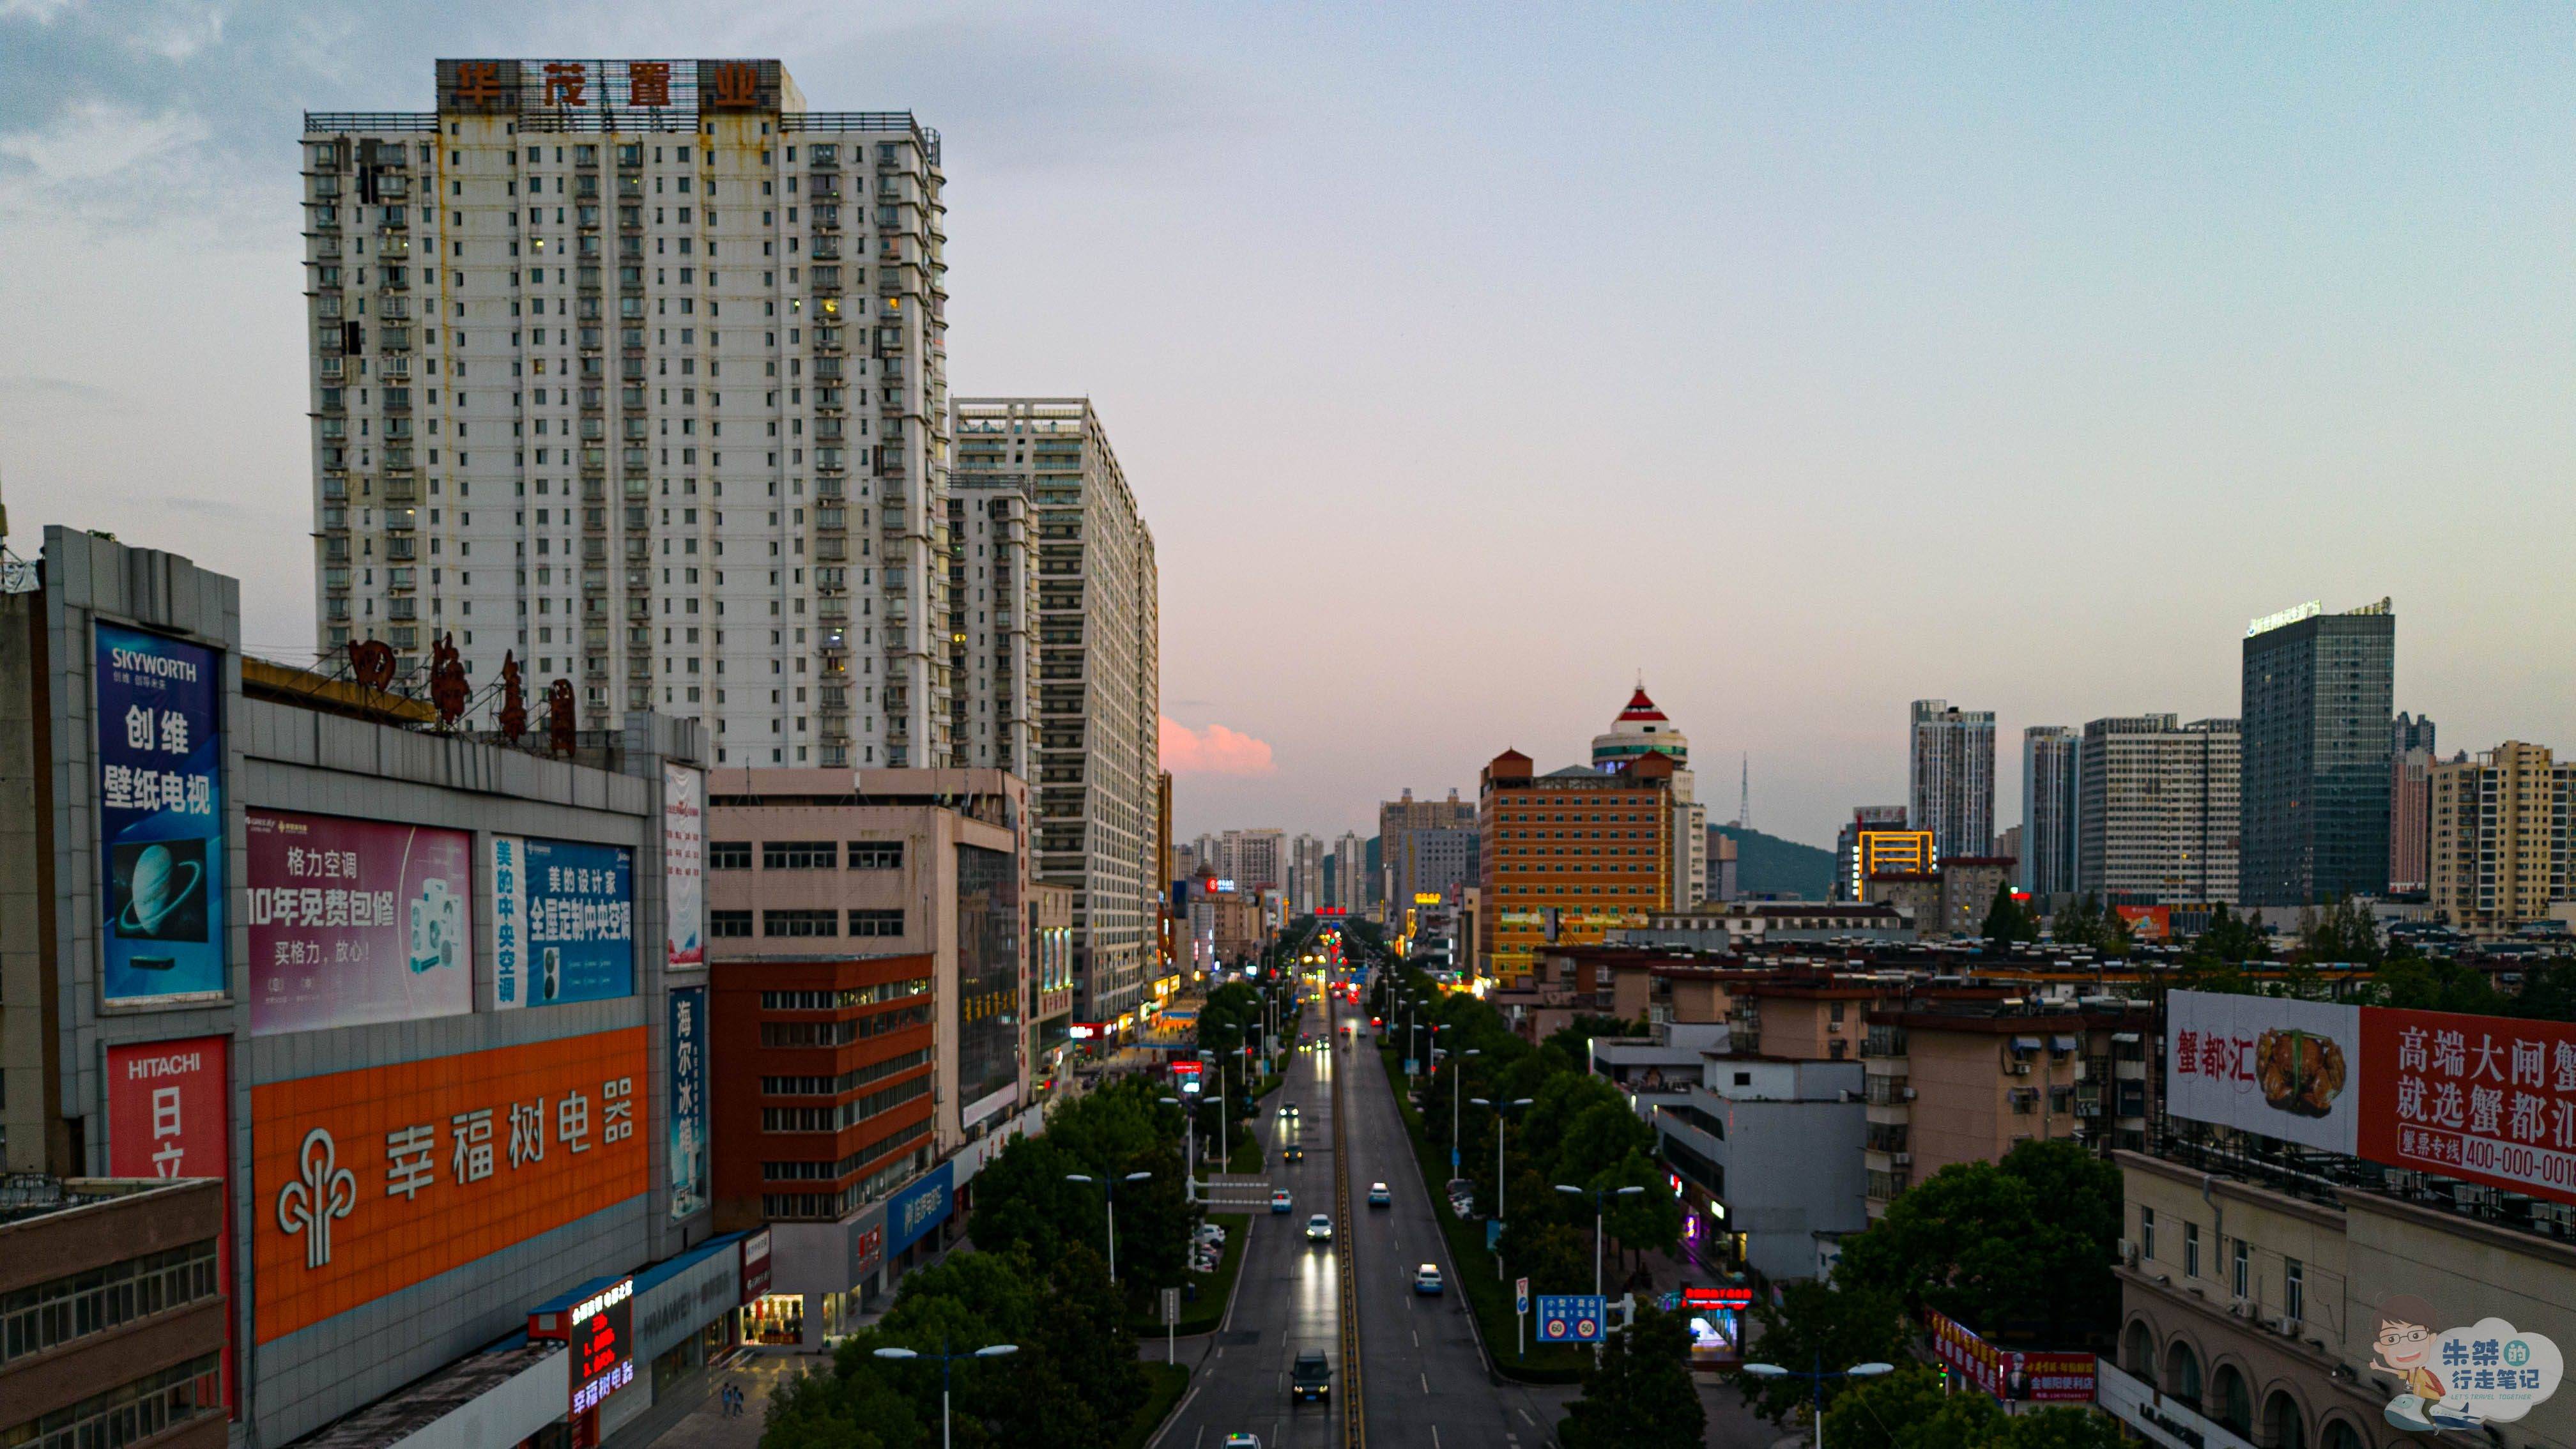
(1210, 1233)
(1426, 1279)
(1319, 1228)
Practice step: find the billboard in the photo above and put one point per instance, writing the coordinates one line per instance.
(160, 817)
(2043, 1377)
(2147, 923)
(684, 905)
(563, 921)
(2264, 1064)
(357, 921)
(917, 1209)
(169, 1114)
(688, 1147)
(2482, 1098)
(366, 1182)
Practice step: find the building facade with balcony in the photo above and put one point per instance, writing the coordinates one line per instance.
(2500, 852)
(1968, 1080)
(633, 374)
(1058, 633)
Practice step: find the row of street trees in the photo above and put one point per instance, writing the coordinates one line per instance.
(1038, 1279)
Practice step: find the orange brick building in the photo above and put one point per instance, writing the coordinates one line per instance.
(1569, 855)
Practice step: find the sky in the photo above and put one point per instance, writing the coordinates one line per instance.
(1470, 363)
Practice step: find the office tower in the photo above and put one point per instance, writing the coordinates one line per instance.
(2048, 794)
(2500, 841)
(1057, 652)
(1432, 861)
(633, 372)
(1254, 859)
(1866, 819)
(1952, 779)
(2157, 810)
(1350, 872)
(2317, 690)
(1640, 729)
(1305, 875)
(2410, 802)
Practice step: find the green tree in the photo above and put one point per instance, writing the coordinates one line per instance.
(2027, 1240)
(849, 1406)
(2007, 921)
(1640, 1395)
(2419, 984)
(1907, 1410)
(1820, 1323)
(2078, 923)
(2548, 994)
(2060, 1427)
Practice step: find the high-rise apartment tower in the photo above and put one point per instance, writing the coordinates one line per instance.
(2048, 796)
(633, 372)
(1056, 639)
(1952, 776)
(2157, 817)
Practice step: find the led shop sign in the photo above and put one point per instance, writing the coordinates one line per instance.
(601, 1333)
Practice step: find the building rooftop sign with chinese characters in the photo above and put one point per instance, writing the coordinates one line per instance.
(648, 87)
(367, 1182)
(2482, 1098)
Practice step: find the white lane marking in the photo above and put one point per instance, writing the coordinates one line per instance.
(1525, 1416)
(1426, 1383)
(1435, 1436)
(1417, 1337)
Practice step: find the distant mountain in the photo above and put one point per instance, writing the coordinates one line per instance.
(1769, 864)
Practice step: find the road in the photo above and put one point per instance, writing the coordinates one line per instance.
(1425, 1383)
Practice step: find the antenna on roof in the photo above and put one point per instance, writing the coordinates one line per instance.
(1744, 796)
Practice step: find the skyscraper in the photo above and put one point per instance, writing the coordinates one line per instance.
(703, 332)
(1952, 779)
(1055, 643)
(2317, 692)
(2410, 803)
(2048, 796)
(1349, 887)
(2157, 813)
(1305, 874)
(1641, 729)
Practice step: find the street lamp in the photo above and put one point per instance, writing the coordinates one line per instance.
(1816, 1380)
(1498, 1107)
(1109, 1197)
(1600, 1208)
(996, 1350)
(1458, 1088)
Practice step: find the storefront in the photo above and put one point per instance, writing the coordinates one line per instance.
(1715, 1318)
(815, 1282)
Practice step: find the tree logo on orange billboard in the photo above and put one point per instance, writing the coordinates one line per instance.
(326, 1191)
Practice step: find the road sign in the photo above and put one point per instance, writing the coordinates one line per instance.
(1171, 1305)
(1520, 1295)
(1569, 1317)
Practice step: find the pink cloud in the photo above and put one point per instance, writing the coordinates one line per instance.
(1215, 750)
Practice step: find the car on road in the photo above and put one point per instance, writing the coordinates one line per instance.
(1311, 1377)
(1319, 1228)
(1288, 1111)
(1281, 1202)
(1378, 1196)
(1242, 1441)
(1426, 1279)
(1293, 1153)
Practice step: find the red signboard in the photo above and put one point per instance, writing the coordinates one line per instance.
(755, 1266)
(2485, 1098)
(2041, 1377)
(1696, 1299)
(1185, 1067)
(169, 1114)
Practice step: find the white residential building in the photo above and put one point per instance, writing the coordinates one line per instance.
(1952, 776)
(634, 372)
(1305, 875)
(1057, 633)
(2157, 817)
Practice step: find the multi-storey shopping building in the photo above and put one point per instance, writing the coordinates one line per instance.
(632, 374)
(1058, 655)
(2158, 810)
(1568, 856)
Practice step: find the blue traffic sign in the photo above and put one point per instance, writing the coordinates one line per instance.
(1569, 1317)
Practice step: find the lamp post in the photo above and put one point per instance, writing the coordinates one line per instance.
(1600, 1197)
(1499, 1105)
(1816, 1380)
(1458, 1089)
(1190, 1148)
(996, 1350)
(1109, 1197)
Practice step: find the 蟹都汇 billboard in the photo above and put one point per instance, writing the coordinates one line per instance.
(357, 921)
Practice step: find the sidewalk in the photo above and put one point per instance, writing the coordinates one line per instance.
(756, 1375)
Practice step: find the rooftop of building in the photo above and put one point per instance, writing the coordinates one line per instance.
(414, 1407)
(26, 1197)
